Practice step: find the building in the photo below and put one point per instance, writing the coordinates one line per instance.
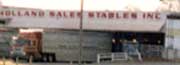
(61, 30)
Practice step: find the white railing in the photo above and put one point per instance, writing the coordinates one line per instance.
(112, 56)
(120, 56)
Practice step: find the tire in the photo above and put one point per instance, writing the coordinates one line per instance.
(45, 58)
(50, 58)
(54, 57)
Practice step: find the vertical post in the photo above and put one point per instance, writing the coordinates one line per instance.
(81, 33)
(98, 58)
(4, 61)
(112, 57)
(30, 60)
(126, 56)
(71, 62)
(169, 38)
(17, 60)
(175, 55)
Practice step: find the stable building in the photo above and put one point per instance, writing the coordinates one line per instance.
(60, 30)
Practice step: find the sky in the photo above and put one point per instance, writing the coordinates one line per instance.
(144, 5)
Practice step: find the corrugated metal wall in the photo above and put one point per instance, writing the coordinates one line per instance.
(173, 33)
(65, 44)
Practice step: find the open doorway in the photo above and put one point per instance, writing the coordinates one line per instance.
(151, 43)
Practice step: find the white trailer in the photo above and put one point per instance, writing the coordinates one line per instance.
(65, 44)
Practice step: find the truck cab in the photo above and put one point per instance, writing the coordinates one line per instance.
(29, 43)
(26, 44)
(17, 47)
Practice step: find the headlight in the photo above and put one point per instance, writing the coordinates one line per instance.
(11, 52)
(23, 53)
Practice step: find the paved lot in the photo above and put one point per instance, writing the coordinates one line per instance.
(104, 63)
(131, 63)
(145, 63)
(107, 64)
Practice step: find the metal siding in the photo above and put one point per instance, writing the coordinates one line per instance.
(65, 44)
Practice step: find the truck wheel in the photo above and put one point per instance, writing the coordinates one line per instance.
(54, 57)
(50, 59)
(44, 58)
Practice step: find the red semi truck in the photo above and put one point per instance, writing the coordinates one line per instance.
(27, 44)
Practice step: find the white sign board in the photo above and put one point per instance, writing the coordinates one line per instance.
(92, 20)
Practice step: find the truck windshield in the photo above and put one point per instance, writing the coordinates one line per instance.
(22, 41)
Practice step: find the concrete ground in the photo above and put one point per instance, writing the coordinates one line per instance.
(116, 63)
(10, 62)
(146, 63)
